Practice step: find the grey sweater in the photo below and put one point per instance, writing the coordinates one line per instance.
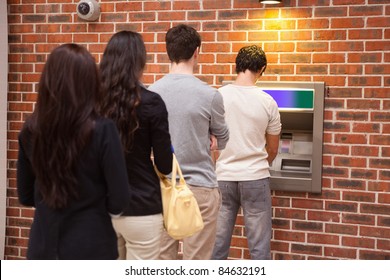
(195, 110)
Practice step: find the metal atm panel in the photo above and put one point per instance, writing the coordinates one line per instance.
(298, 165)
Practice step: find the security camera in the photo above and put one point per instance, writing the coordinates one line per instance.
(88, 10)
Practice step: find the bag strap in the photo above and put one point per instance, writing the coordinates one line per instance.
(176, 168)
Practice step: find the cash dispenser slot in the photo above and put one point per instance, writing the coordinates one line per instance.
(286, 135)
(295, 165)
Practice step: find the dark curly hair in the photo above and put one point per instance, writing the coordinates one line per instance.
(250, 58)
(121, 67)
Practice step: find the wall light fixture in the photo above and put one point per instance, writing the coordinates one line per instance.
(270, 1)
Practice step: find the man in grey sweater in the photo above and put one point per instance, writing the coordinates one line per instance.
(196, 117)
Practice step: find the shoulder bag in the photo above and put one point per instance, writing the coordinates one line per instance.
(181, 212)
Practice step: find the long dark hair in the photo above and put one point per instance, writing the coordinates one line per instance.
(62, 121)
(121, 68)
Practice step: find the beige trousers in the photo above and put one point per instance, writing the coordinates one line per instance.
(138, 236)
(200, 245)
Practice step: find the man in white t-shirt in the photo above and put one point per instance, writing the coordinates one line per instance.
(243, 166)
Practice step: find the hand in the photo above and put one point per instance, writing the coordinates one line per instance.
(213, 143)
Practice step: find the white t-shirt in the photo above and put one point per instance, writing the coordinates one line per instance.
(250, 113)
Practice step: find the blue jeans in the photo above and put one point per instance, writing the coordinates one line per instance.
(255, 199)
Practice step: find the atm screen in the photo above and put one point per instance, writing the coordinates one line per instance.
(288, 98)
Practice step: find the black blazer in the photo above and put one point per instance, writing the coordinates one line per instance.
(83, 230)
(151, 136)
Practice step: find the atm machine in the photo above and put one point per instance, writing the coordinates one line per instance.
(298, 165)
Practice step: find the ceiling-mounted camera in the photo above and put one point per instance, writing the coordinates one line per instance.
(88, 10)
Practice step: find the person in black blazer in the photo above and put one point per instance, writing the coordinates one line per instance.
(142, 121)
(70, 165)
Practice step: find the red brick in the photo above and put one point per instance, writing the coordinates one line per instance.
(323, 238)
(340, 252)
(235, 253)
(313, 23)
(326, 194)
(186, 5)
(113, 17)
(358, 242)
(347, 23)
(261, 13)
(157, 5)
(142, 16)
(358, 219)
(364, 174)
(308, 204)
(129, 6)
(365, 151)
(239, 242)
(375, 92)
(335, 150)
(366, 127)
(383, 244)
(378, 186)
(341, 206)
(384, 174)
(341, 229)
(364, 58)
(374, 208)
(337, 172)
(289, 236)
(295, 58)
(290, 213)
(279, 256)
(306, 249)
(356, 116)
(215, 69)
(215, 47)
(238, 231)
(261, 36)
(307, 226)
(366, 10)
(319, 258)
(350, 184)
(380, 139)
(247, 25)
(328, 58)
(379, 232)
(12, 231)
(358, 196)
(281, 202)
(374, 255)
(280, 223)
(384, 198)
(377, 46)
(346, 92)
(378, 22)
(280, 246)
(380, 116)
(331, 12)
(350, 162)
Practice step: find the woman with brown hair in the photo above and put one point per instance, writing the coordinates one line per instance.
(70, 165)
(142, 121)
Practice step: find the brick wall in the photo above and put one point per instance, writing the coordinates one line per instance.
(343, 43)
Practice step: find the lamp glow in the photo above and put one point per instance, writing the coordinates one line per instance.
(270, 1)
